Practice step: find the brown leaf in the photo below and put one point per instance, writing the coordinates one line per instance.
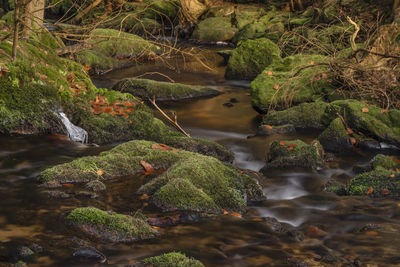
(148, 169)
(353, 141)
(161, 147)
(100, 172)
(385, 192)
(269, 73)
(276, 86)
(392, 175)
(384, 111)
(282, 143)
(396, 160)
(313, 231)
(324, 76)
(225, 212)
(370, 190)
(365, 110)
(144, 196)
(349, 131)
(268, 126)
(68, 185)
(312, 63)
(129, 104)
(257, 219)
(236, 214)
(371, 233)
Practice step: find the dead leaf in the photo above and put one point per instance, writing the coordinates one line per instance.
(392, 175)
(156, 227)
(371, 233)
(100, 172)
(282, 143)
(324, 76)
(396, 160)
(312, 63)
(144, 196)
(370, 190)
(257, 219)
(236, 214)
(349, 131)
(68, 185)
(353, 141)
(385, 192)
(314, 231)
(365, 110)
(268, 126)
(225, 212)
(269, 73)
(148, 169)
(384, 111)
(276, 86)
(161, 147)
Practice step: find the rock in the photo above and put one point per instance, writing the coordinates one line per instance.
(162, 91)
(89, 254)
(290, 81)
(86, 194)
(303, 116)
(245, 15)
(57, 194)
(228, 105)
(191, 181)
(271, 130)
(226, 54)
(24, 253)
(95, 186)
(214, 29)
(314, 231)
(172, 259)
(335, 138)
(250, 57)
(295, 153)
(108, 226)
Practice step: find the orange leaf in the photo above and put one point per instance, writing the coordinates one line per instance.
(370, 190)
(312, 63)
(282, 143)
(268, 126)
(144, 196)
(384, 111)
(145, 204)
(129, 110)
(276, 86)
(353, 141)
(314, 231)
(290, 148)
(236, 214)
(100, 172)
(396, 160)
(371, 233)
(392, 175)
(269, 73)
(225, 212)
(385, 192)
(365, 110)
(161, 147)
(148, 169)
(68, 185)
(397, 170)
(257, 219)
(130, 122)
(156, 227)
(129, 104)
(324, 76)
(349, 131)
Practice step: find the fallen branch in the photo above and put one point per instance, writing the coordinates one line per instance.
(354, 36)
(173, 122)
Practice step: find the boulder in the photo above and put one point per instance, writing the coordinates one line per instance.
(171, 259)
(214, 29)
(335, 138)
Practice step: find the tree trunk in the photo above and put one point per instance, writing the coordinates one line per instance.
(32, 15)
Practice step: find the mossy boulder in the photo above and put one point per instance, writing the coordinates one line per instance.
(214, 29)
(306, 115)
(381, 180)
(335, 138)
(191, 181)
(109, 226)
(162, 91)
(172, 259)
(245, 15)
(295, 153)
(107, 46)
(251, 57)
(368, 120)
(293, 80)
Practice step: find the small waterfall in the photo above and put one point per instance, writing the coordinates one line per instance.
(75, 133)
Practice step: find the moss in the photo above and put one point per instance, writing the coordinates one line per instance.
(246, 15)
(289, 81)
(144, 89)
(335, 137)
(189, 176)
(95, 186)
(173, 259)
(386, 162)
(383, 126)
(214, 29)
(251, 57)
(295, 153)
(111, 227)
(161, 10)
(306, 115)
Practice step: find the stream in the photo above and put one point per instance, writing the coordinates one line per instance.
(356, 230)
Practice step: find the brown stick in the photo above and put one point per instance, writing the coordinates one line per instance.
(86, 10)
(173, 122)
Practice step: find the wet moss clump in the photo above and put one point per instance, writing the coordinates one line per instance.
(335, 138)
(191, 181)
(251, 57)
(295, 153)
(145, 89)
(108, 226)
(214, 29)
(289, 81)
(175, 259)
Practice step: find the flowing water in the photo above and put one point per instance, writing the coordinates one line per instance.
(354, 228)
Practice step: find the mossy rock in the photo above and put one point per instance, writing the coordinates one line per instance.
(214, 29)
(172, 259)
(251, 57)
(219, 11)
(295, 153)
(335, 138)
(191, 181)
(306, 115)
(246, 15)
(290, 81)
(162, 91)
(369, 120)
(107, 45)
(160, 10)
(95, 186)
(109, 226)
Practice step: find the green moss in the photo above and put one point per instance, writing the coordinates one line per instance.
(110, 226)
(251, 57)
(144, 89)
(191, 181)
(335, 137)
(214, 29)
(306, 115)
(246, 15)
(386, 162)
(289, 82)
(95, 186)
(172, 259)
(295, 153)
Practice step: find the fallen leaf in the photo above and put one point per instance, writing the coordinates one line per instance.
(148, 169)
(129, 104)
(370, 190)
(282, 143)
(130, 122)
(156, 227)
(68, 185)
(324, 76)
(144, 196)
(371, 233)
(396, 160)
(384, 111)
(161, 147)
(225, 212)
(312, 63)
(269, 73)
(145, 204)
(365, 110)
(290, 148)
(397, 170)
(268, 126)
(257, 219)
(349, 131)
(100, 172)
(392, 175)
(236, 214)
(385, 192)
(276, 86)
(353, 141)
(314, 231)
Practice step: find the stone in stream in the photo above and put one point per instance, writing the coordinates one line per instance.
(162, 91)
(95, 186)
(214, 29)
(89, 254)
(335, 138)
(294, 153)
(190, 181)
(271, 130)
(170, 259)
(109, 226)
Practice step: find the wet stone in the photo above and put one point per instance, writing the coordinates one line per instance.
(57, 194)
(89, 254)
(271, 130)
(95, 186)
(86, 194)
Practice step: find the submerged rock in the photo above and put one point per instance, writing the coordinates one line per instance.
(250, 58)
(191, 181)
(214, 29)
(95, 186)
(108, 226)
(293, 80)
(89, 254)
(271, 130)
(295, 153)
(162, 91)
(171, 259)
